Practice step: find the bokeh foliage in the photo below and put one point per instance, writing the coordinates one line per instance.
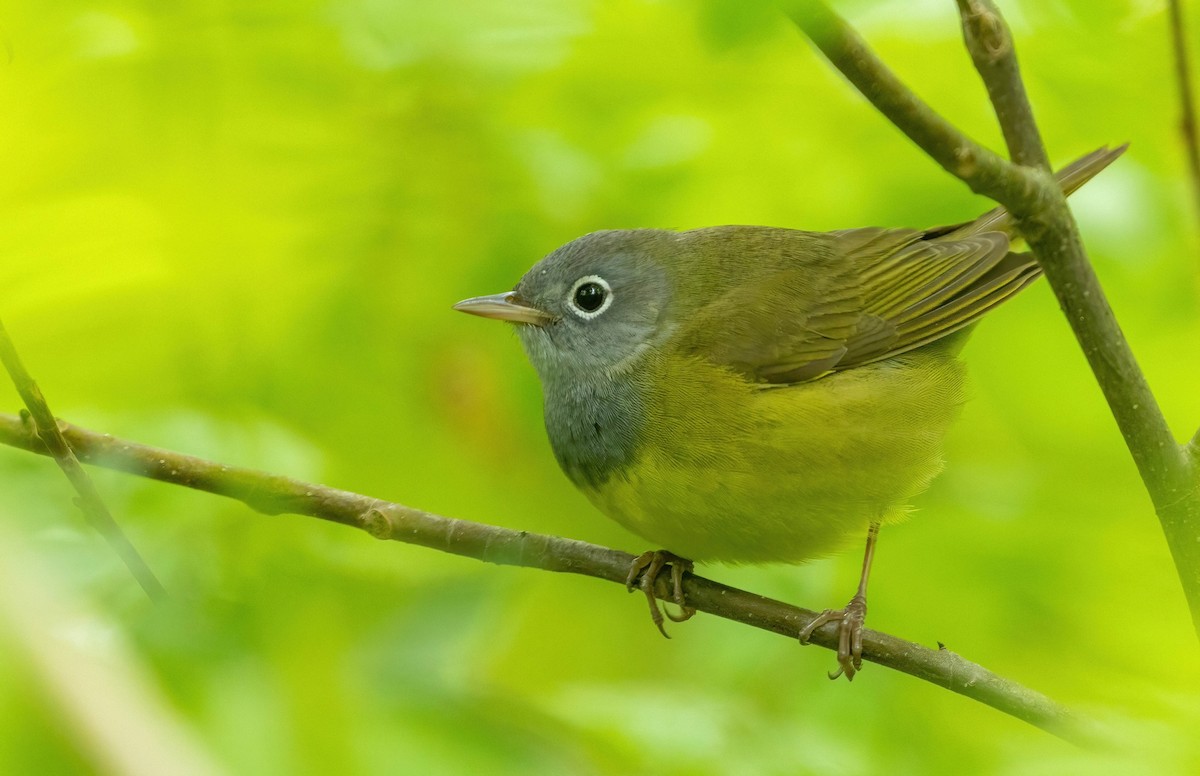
(235, 230)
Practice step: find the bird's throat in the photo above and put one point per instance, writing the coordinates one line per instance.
(594, 425)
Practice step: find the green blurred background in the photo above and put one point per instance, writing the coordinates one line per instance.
(236, 229)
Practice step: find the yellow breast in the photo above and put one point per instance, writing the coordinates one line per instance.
(730, 470)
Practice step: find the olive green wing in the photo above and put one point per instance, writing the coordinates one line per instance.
(802, 304)
(831, 302)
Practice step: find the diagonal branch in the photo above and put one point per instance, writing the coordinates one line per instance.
(991, 46)
(1187, 106)
(273, 494)
(90, 502)
(1039, 207)
(985, 171)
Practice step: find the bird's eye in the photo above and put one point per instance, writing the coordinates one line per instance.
(590, 296)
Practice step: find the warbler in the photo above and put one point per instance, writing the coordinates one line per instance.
(752, 394)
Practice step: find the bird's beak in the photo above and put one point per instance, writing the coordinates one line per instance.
(505, 307)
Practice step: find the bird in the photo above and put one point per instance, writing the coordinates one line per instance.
(755, 394)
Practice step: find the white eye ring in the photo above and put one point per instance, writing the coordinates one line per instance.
(587, 315)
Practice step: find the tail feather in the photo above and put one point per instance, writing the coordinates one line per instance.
(1070, 178)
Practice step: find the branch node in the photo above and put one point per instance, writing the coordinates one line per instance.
(376, 522)
(966, 162)
(987, 30)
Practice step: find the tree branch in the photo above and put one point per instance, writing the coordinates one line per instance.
(273, 494)
(1187, 108)
(991, 47)
(1039, 207)
(89, 501)
(981, 169)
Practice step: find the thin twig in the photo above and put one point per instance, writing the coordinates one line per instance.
(983, 170)
(1187, 107)
(90, 502)
(272, 494)
(991, 46)
(1037, 203)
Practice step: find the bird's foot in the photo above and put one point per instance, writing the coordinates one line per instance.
(644, 573)
(850, 628)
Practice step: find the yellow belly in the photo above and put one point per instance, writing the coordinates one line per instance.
(732, 471)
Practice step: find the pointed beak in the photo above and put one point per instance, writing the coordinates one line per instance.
(505, 307)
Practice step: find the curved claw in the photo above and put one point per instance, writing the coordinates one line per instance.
(648, 566)
(850, 622)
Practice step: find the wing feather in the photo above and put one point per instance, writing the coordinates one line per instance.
(785, 306)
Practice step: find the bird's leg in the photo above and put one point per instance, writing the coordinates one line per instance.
(850, 619)
(648, 566)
